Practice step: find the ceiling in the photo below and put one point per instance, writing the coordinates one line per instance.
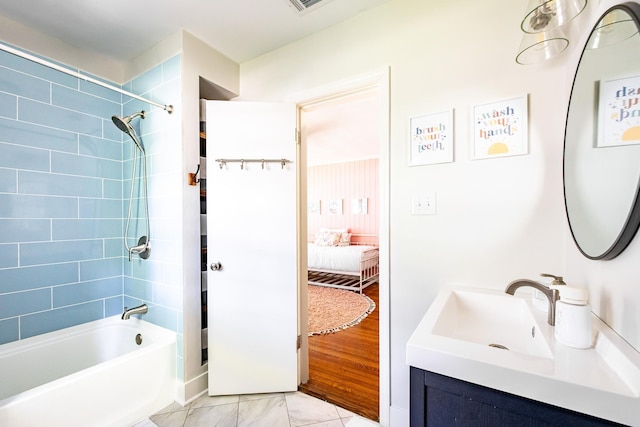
(336, 131)
(124, 29)
(343, 129)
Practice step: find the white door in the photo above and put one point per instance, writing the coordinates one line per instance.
(252, 235)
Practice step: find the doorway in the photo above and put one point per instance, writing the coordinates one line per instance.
(349, 128)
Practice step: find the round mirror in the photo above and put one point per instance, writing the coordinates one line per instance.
(602, 137)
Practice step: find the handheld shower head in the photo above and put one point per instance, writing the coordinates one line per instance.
(144, 246)
(124, 124)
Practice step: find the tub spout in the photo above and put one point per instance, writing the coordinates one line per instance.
(141, 309)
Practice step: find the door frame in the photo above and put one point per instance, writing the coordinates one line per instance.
(378, 80)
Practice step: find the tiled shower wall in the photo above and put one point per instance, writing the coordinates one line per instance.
(158, 280)
(60, 200)
(64, 174)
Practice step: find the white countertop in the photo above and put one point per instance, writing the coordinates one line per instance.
(603, 381)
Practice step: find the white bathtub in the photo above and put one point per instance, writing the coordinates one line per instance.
(88, 375)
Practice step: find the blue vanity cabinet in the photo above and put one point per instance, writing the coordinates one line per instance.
(438, 400)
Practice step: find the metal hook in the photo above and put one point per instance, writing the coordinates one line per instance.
(283, 162)
(222, 163)
(262, 163)
(192, 176)
(241, 163)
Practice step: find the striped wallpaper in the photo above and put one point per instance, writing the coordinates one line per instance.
(346, 181)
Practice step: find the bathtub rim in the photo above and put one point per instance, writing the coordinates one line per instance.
(41, 339)
(162, 337)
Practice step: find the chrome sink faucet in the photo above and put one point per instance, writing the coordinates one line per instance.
(141, 309)
(552, 295)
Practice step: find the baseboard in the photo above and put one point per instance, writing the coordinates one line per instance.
(192, 389)
(398, 417)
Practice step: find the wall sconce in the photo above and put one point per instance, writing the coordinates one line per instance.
(541, 46)
(615, 27)
(546, 15)
(543, 38)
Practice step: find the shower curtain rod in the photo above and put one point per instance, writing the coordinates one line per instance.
(9, 49)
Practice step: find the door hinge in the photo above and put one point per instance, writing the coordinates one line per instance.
(299, 342)
(297, 136)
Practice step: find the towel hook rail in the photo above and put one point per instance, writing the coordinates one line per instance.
(223, 162)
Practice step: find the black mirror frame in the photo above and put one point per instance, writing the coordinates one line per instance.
(632, 223)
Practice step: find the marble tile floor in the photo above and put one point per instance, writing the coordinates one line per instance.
(293, 409)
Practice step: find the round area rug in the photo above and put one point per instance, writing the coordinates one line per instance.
(332, 310)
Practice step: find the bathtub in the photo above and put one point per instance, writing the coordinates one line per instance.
(93, 374)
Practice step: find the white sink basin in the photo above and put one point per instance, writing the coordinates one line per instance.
(490, 319)
(454, 339)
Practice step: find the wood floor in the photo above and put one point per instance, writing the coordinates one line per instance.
(344, 368)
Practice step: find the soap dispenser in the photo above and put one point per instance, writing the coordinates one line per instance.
(573, 318)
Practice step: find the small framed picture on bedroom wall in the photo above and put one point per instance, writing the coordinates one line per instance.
(431, 139)
(335, 207)
(313, 207)
(359, 206)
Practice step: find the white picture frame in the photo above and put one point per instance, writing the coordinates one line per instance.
(500, 128)
(431, 139)
(335, 207)
(618, 112)
(359, 206)
(313, 207)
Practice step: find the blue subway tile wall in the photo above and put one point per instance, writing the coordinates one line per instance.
(14, 62)
(8, 105)
(23, 85)
(30, 135)
(15, 156)
(8, 256)
(8, 181)
(57, 184)
(65, 172)
(60, 318)
(24, 230)
(157, 281)
(44, 206)
(21, 279)
(60, 200)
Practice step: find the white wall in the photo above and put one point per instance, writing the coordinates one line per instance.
(614, 286)
(16, 34)
(498, 219)
(198, 60)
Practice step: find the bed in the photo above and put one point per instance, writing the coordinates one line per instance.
(337, 262)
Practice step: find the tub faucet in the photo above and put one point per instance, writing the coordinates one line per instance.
(551, 294)
(141, 309)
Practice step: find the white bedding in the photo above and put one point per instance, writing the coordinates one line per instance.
(337, 258)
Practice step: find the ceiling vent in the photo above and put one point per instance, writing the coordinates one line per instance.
(304, 6)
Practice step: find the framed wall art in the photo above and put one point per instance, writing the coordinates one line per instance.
(431, 139)
(619, 112)
(359, 206)
(335, 207)
(500, 128)
(313, 207)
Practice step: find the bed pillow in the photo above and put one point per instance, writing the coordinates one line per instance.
(345, 239)
(329, 237)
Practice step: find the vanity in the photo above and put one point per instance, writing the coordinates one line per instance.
(483, 357)
(441, 401)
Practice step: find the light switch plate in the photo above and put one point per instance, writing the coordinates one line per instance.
(423, 204)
